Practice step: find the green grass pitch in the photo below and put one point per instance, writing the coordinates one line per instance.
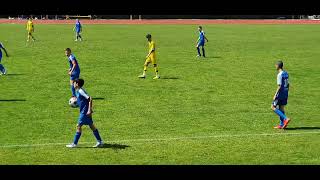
(202, 111)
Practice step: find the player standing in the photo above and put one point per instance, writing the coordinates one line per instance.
(30, 29)
(74, 70)
(281, 96)
(78, 29)
(150, 58)
(201, 42)
(2, 69)
(85, 118)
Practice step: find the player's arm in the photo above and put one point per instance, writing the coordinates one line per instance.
(90, 106)
(73, 67)
(4, 49)
(277, 91)
(279, 82)
(205, 37)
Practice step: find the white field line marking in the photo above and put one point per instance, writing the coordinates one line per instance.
(165, 139)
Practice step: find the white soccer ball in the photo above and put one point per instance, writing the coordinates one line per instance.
(73, 102)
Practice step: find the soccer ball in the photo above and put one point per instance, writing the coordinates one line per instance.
(73, 102)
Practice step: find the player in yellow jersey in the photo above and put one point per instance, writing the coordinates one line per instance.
(30, 29)
(151, 58)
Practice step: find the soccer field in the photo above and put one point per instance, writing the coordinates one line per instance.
(202, 111)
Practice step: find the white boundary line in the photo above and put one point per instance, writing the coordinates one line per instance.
(164, 139)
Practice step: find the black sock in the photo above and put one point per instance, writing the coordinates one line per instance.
(203, 52)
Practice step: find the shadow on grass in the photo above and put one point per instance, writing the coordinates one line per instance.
(98, 98)
(15, 74)
(303, 128)
(11, 100)
(112, 146)
(169, 78)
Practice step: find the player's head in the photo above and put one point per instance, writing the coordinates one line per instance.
(279, 65)
(148, 36)
(68, 52)
(77, 20)
(200, 28)
(30, 19)
(78, 83)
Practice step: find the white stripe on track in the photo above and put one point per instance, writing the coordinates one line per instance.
(165, 139)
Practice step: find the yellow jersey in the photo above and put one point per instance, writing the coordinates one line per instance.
(152, 46)
(29, 26)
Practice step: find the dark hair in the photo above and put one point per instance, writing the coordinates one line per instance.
(148, 36)
(80, 82)
(200, 27)
(280, 64)
(68, 49)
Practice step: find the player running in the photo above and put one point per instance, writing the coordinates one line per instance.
(281, 96)
(78, 29)
(30, 29)
(74, 70)
(85, 118)
(150, 58)
(201, 42)
(3, 70)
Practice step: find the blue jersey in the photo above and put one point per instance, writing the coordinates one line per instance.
(283, 82)
(201, 36)
(82, 100)
(78, 26)
(77, 68)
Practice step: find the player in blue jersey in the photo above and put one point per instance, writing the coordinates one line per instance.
(74, 70)
(78, 29)
(85, 118)
(281, 96)
(201, 42)
(3, 70)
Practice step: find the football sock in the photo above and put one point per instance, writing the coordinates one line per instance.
(97, 135)
(203, 52)
(76, 137)
(1, 67)
(281, 119)
(73, 90)
(80, 37)
(156, 70)
(277, 111)
(198, 51)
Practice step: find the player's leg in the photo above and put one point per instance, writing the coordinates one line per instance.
(76, 36)
(156, 71)
(285, 120)
(198, 49)
(2, 69)
(145, 68)
(76, 136)
(28, 39)
(203, 52)
(96, 135)
(79, 35)
(278, 112)
(73, 90)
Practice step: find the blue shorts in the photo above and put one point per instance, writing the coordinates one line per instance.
(280, 102)
(74, 76)
(85, 120)
(201, 43)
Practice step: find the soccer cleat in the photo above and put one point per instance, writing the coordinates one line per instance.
(278, 127)
(72, 145)
(142, 76)
(286, 122)
(4, 71)
(98, 145)
(76, 40)
(157, 77)
(198, 55)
